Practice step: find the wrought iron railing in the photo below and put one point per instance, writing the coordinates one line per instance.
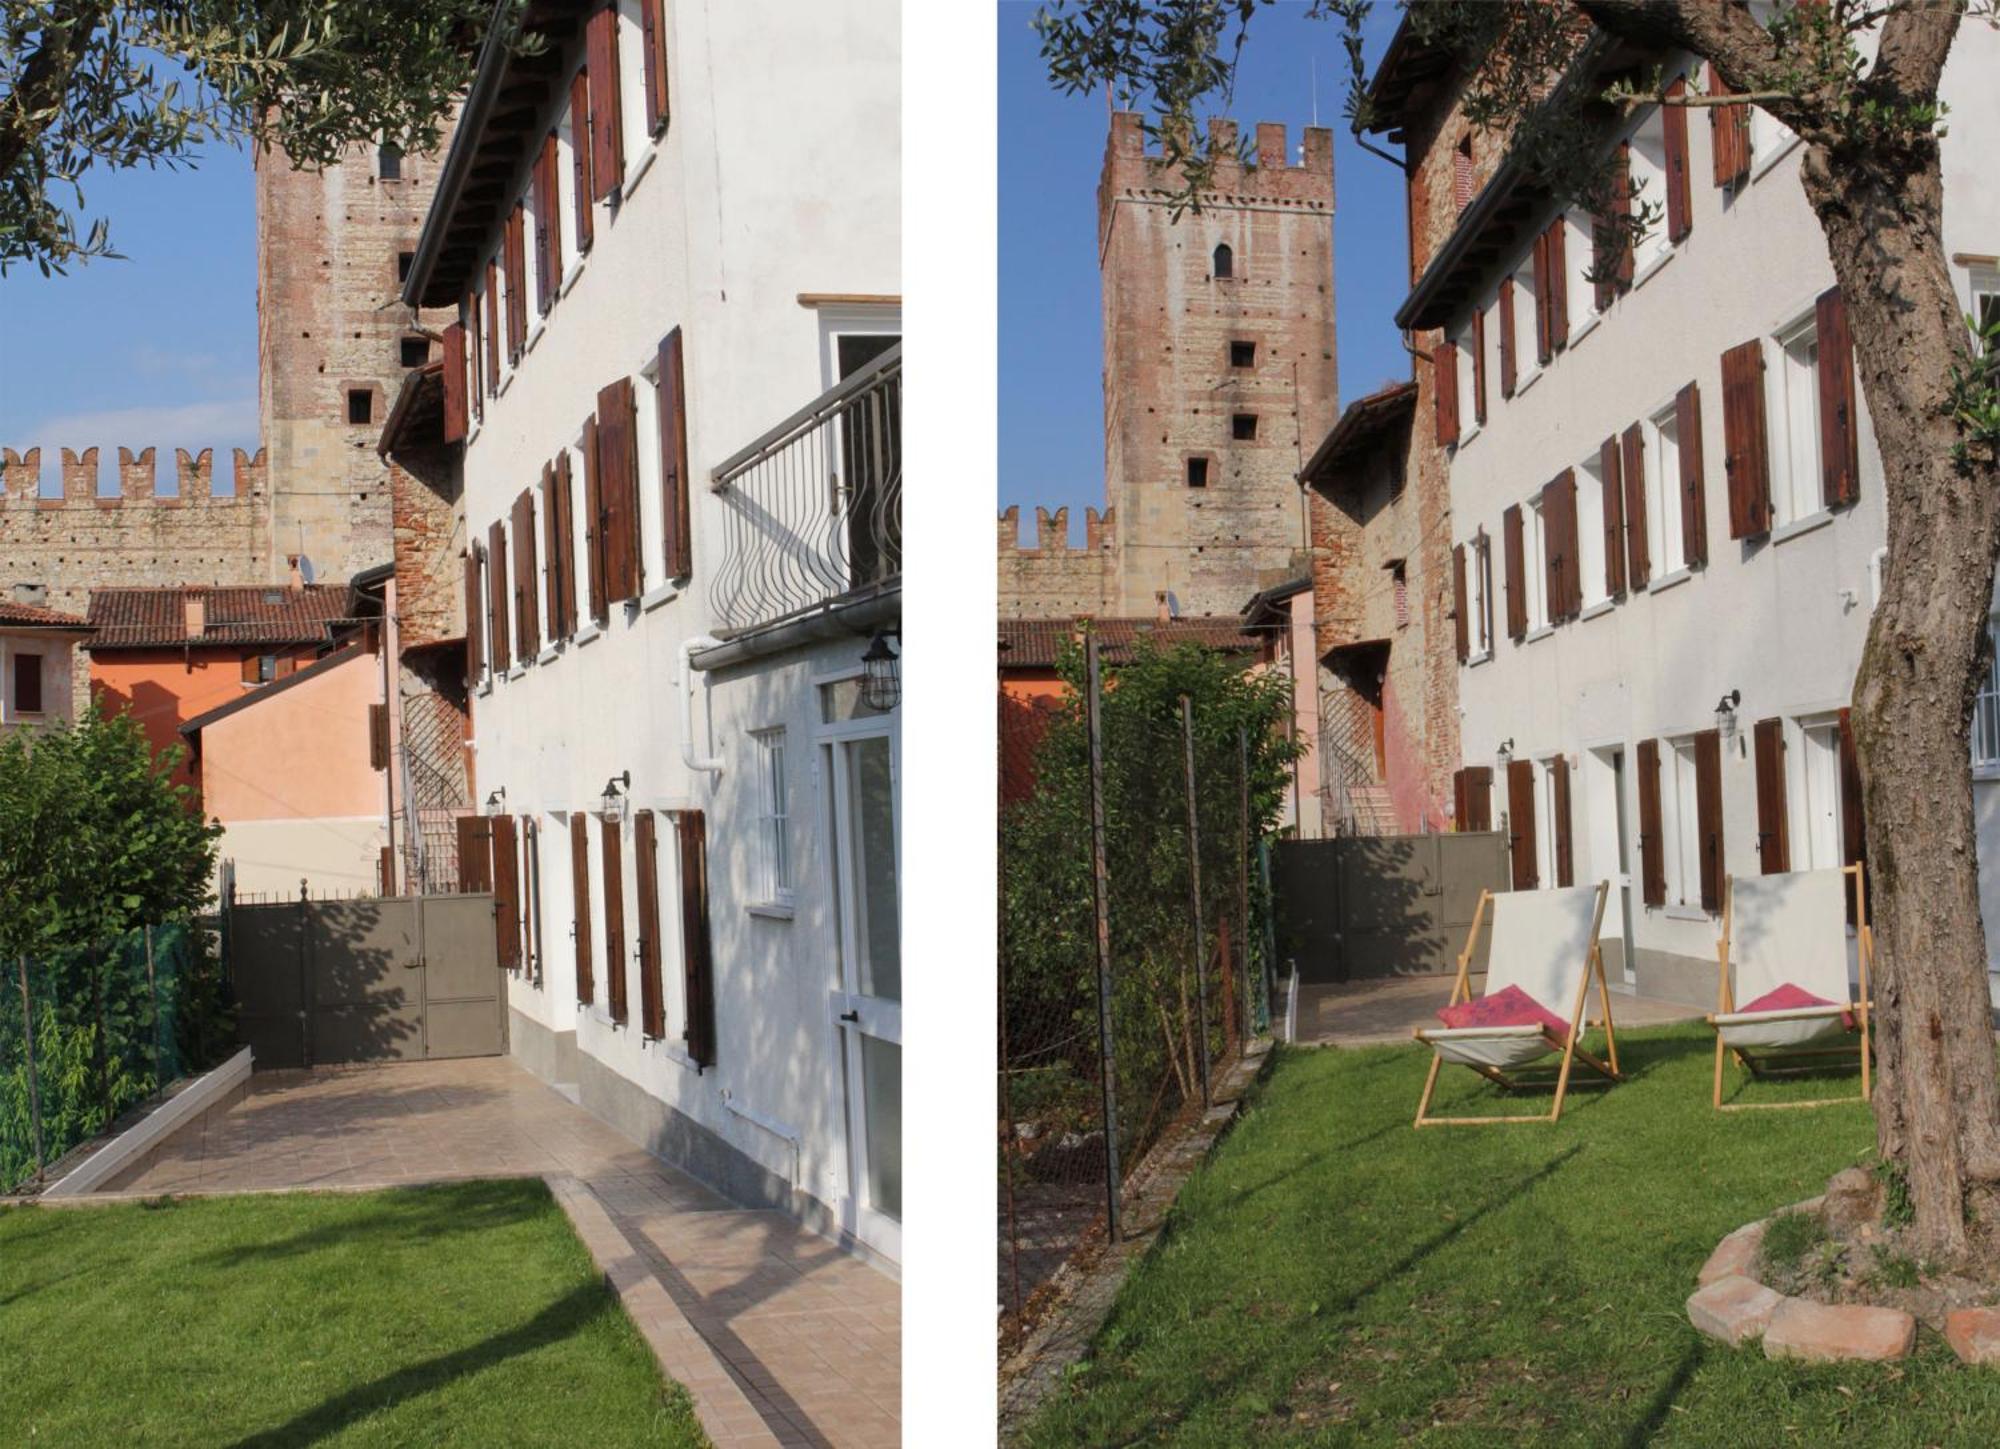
(815, 506)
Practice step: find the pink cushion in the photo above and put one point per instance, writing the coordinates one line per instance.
(1509, 1007)
(1789, 998)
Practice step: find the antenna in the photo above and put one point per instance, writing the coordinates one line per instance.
(1173, 605)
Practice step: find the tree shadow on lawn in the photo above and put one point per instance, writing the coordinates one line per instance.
(401, 1214)
(566, 1316)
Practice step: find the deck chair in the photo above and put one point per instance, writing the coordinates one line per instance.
(1544, 942)
(1791, 929)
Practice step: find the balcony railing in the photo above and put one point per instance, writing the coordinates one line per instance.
(815, 506)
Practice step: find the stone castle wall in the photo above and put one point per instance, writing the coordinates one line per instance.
(1053, 580)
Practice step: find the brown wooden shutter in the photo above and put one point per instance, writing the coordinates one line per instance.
(1774, 849)
(378, 736)
(552, 565)
(527, 615)
(646, 870)
(1694, 494)
(593, 523)
(1556, 286)
(698, 960)
(1708, 815)
(517, 282)
(1560, 826)
(1559, 529)
(1478, 343)
(1478, 797)
(385, 871)
(579, 153)
(1729, 134)
(1462, 624)
(1652, 848)
(475, 654)
(1839, 440)
(1517, 594)
(1507, 363)
(1611, 237)
(497, 586)
(1614, 518)
(1680, 199)
(455, 414)
(1444, 382)
(614, 920)
(654, 26)
(475, 348)
(506, 893)
(1459, 809)
(1746, 456)
(677, 508)
(1622, 184)
(1540, 264)
(492, 328)
(565, 501)
(475, 854)
(618, 463)
(548, 228)
(1484, 563)
(607, 137)
(1638, 555)
(579, 875)
(1521, 823)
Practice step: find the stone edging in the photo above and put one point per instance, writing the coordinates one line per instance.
(1733, 1306)
(219, 1087)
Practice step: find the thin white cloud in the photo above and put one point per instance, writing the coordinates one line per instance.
(221, 424)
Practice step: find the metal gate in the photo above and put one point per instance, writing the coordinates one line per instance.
(1364, 906)
(396, 978)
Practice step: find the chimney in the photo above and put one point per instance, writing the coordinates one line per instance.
(194, 613)
(296, 580)
(1162, 614)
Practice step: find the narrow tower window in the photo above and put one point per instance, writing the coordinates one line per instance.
(1243, 427)
(1242, 354)
(389, 161)
(1197, 472)
(416, 351)
(1225, 261)
(360, 405)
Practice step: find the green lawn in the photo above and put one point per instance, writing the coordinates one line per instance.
(464, 1315)
(1334, 1276)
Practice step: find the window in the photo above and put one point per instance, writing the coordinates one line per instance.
(1243, 427)
(1479, 595)
(404, 261)
(773, 816)
(1242, 354)
(266, 666)
(632, 82)
(1986, 711)
(1225, 262)
(1534, 560)
(1986, 303)
(360, 405)
(415, 351)
(1683, 826)
(1578, 256)
(1525, 310)
(1461, 172)
(1794, 383)
(389, 161)
(1649, 185)
(1663, 493)
(1399, 588)
(1197, 472)
(27, 683)
(1471, 377)
(1817, 844)
(1552, 812)
(1590, 531)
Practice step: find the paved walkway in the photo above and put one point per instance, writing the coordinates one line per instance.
(780, 1335)
(1369, 1013)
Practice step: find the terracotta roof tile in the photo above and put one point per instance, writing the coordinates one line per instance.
(257, 614)
(1036, 643)
(27, 616)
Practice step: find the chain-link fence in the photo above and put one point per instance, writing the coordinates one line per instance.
(87, 1033)
(1134, 924)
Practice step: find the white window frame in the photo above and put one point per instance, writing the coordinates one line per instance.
(646, 439)
(1534, 568)
(1580, 254)
(1478, 572)
(1663, 493)
(1982, 289)
(853, 319)
(1683, 829)
(1590, 532)
(1545, 837)
(1986, 713)
(1468, 410)
(1648, 152)
(1527, 364)
(530, 273)
(566, 196)
(777, 876)
(1791, 386)
(1815, 787)
(632, 94)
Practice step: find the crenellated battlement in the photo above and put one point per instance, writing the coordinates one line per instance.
(1054, 577)
(1052, 531)
(81, 479)
(1271, 177)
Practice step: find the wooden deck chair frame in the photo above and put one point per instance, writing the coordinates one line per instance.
(1725, 1003)
(1571, 1047)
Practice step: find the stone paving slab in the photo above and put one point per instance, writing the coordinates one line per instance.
(782, 1336)
(1832, 1332)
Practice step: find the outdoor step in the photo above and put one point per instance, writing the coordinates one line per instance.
(1828, 1332)
(1733, 1309)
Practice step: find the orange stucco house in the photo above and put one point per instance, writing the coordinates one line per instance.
(171, 654)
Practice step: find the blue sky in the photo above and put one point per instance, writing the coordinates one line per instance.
(159, 349)
(1051, 146)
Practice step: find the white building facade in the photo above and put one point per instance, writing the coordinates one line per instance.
(673, 237)
(1668, 523)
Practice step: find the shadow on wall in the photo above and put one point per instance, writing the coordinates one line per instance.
(321, 982)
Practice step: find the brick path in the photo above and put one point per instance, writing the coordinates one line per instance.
(780, 1336)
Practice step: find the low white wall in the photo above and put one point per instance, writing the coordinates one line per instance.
(128, 1147)
(272, 856)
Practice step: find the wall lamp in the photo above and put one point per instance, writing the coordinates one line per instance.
(881, 675)
(1506, 750)
(614, 796)
(497, 800)
(1725, 713)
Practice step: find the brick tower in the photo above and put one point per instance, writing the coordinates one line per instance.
(1219, 373)
(333, 345)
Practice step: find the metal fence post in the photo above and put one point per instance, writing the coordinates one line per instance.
(1006, 1084)
(1100, 900)
(1194, 891)
(153, 994)
(1242, 982)
(34, 1081)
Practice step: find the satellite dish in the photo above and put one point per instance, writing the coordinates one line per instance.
(305, 569)
(1173, 605)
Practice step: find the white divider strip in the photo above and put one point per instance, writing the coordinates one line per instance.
(129, 1146)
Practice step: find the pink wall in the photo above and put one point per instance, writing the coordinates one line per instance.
(1305, 713)
(298, 753)
(1403, 769)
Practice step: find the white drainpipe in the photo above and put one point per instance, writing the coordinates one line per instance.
(711, 763)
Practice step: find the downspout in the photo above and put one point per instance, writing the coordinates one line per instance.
(711, 764)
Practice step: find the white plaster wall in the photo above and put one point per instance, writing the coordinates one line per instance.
(779, 175)
(1785, 621)
(329, 854)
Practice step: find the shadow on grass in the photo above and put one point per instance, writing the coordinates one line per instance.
(401, 1215)
(566, 1316)
(1662, 1402)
